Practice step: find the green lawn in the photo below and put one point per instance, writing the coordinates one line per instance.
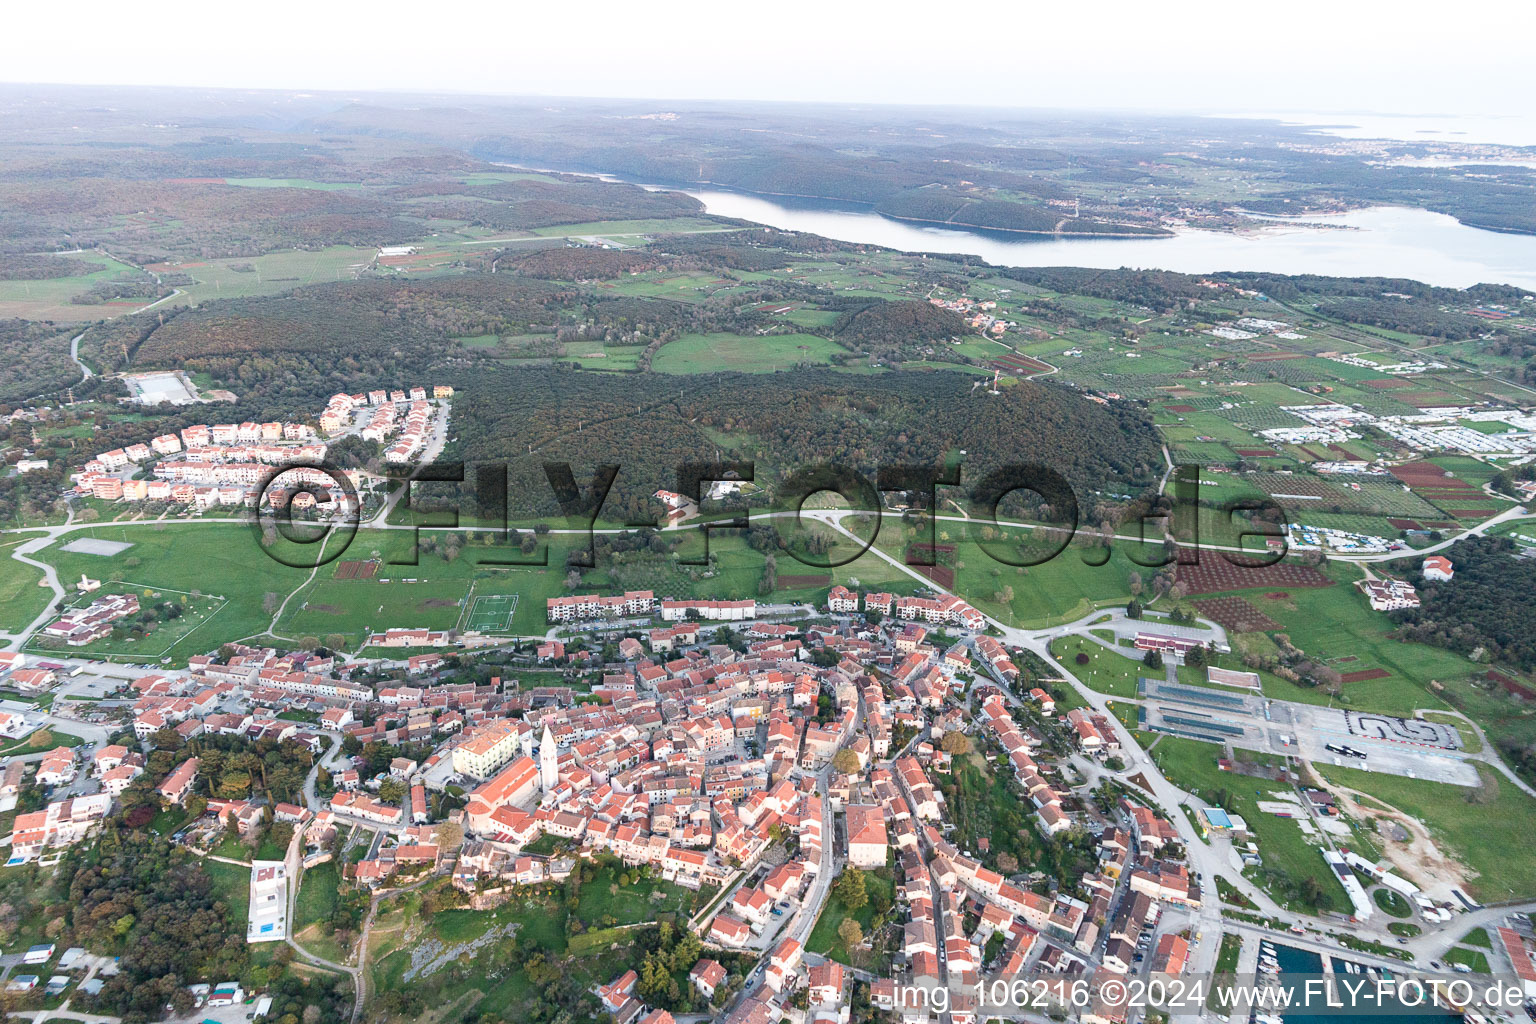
(168, 819)
(353, 607)
(1392, 903)
(1061, 589)
(1107, 671)
(167, 637)
(709, 353)
(43, 739)
(215, 558)
(594, 355)
(21, 599)
(232, 884)
(604, 902)
(227, 559)
(824, 938)
(1473, 959)
(1477, 937)
(1191, 765)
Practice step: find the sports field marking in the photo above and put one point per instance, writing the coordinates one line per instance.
(491, 613)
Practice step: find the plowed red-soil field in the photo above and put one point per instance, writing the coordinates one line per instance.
(1215, 574)
(1236, 615)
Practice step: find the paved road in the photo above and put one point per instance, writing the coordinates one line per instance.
(1514, 512)
(332, 762)
(1206, 860)
(51, 577)
(74, 354)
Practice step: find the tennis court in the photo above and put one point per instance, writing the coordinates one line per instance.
(491, 613)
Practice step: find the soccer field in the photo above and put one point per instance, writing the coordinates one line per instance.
(491, 613)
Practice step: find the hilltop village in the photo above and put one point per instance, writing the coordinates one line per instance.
(807, 793)
(784, 773)
(342, 682)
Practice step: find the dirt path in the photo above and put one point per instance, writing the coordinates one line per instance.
(1419, 858)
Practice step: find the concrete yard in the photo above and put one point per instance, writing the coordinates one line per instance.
(96, 546)
(154, 388)
(1423, 750)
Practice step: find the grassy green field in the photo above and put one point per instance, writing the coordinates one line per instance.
(306, 183)
(214, 558)
(227, 559)
(1477, 937)
(1288, 856)
(168, 638)
(594, 355)
(317, 896)
(317, 899)
(1336, 625)
(824, 938)
(1493, 837)
(43, 739)
(604, 902)
(708, 353)
(1106, 671)
(48, 299)
(271, 273)
(355, 607)
(486, 981)
(655, 226)
(479, 341)
(1059, 590)
(232, 885)
(21, 599)
(1471, 957)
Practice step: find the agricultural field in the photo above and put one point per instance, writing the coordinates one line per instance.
(308, 183)
(1335, 625)
(593, 355)
(624, 229)
(710, 353)
(268, 274)
(49, 298)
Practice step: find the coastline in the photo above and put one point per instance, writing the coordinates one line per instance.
(958, 225)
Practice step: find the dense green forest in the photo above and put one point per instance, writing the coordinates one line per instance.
(649, 426)
(41, 267)
(34, 359)
(1490, 604)
(136, 206)
(890, 327)
(970, 208)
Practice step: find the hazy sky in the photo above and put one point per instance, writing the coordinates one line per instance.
(1312, 55)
